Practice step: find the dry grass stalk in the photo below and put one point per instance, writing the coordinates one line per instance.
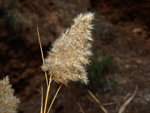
(127, 100)
(8, 102)
(119, 101)
(97, 101)
(69, 55)
(48, 82)
(47, 93)
(41, 99)
(107, 104)
(42, 53)
(123, 107)
(54, 98)
(80, 107)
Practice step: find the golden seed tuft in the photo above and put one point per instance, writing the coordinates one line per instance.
(8, 102)
(70, 52)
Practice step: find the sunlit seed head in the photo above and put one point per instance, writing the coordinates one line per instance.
(8, 102)
(70, 52)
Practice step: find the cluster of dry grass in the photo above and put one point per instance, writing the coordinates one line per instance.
(70, 52)
(65, 61)
(8, 102)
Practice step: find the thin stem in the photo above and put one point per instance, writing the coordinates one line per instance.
(80, 107)
(42, 99)
(47, 93)
(42, 54)
(97, 101)
(54, 98)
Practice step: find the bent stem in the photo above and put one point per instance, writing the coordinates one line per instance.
(54, 98)
(97, 101)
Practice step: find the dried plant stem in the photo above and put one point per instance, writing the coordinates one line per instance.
(123, 107)
(42, 99)
(47, 93)
(119, 101)
(80, 107)
(97, 101)
(42, 54)
(111, 103)
(54, 98)
(47, 82)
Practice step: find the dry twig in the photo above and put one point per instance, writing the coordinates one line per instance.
(80, 107)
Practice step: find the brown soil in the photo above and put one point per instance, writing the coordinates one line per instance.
(121, 30)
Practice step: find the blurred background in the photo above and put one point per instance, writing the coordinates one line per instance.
(121, 48)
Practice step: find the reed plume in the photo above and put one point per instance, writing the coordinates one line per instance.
(70, 52)
(8, 102)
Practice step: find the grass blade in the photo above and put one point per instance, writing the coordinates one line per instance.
(97, 101)
(80, 107)
(41, 99)
(47, 93)
(42, 54)
(54, 98)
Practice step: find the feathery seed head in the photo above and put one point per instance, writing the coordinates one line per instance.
(67, 59)
(8, 102)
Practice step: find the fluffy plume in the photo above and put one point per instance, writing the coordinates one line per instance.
(8, 102)
(67, 59)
